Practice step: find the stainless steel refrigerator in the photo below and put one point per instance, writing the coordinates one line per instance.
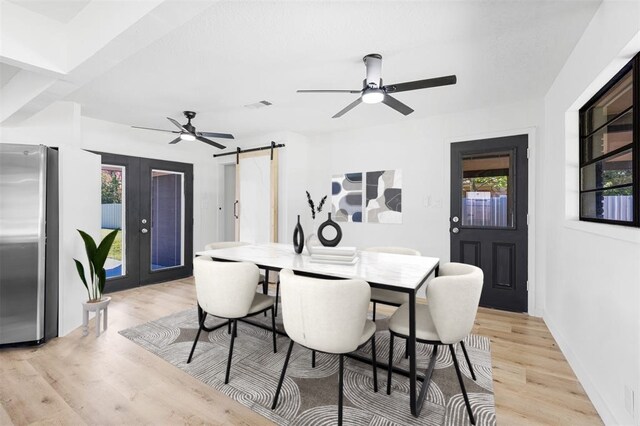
(28, 244)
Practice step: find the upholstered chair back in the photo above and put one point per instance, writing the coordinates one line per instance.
(225, 244)
(225, 289)
(453, 300)
(394, 250)
(325, 315)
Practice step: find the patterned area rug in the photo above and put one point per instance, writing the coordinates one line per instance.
(310, 395)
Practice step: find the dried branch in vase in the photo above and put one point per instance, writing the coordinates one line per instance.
(312, 205)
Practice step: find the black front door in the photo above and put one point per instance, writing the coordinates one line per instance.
(488, 223)
(151, 201)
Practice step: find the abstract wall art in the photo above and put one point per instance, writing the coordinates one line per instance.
(383, 196)
(346, 197)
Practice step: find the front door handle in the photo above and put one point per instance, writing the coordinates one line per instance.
(235, 209)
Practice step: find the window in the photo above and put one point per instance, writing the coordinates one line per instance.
(609, 151)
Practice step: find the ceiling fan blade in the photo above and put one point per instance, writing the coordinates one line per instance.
(328, 91)
(397, 105)
(178, 125)
(420, 84)
(158, 130)
(348, 108)
(215, 135)
(210, 142)
(176, 140)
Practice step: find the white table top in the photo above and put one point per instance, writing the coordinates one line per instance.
(394, 270)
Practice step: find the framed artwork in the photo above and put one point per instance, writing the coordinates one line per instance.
(346, 197)
(383, 196)
(372, 197)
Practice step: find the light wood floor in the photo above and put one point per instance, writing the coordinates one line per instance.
(110, 380)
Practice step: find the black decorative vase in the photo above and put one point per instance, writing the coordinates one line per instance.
(329, 243)
(298, 238)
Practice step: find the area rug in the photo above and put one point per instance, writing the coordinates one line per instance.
(309, 396)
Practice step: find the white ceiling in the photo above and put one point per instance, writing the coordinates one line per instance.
(59, 10)
(238, 53)
(6, 73)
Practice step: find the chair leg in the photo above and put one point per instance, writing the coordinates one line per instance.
(374, 311)
(313, 359)
(277, 294)
(273, 328)
(284, 370)
(406, 348)
(466, 356)
(265, 285)
(195, 342)
(233, 337)
(229, 327)
(374, 362)
(464, 391)
(340, 385)
(390, 370)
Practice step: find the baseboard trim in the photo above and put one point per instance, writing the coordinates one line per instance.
(581, 373)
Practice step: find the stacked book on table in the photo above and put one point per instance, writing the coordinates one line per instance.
(334, 255)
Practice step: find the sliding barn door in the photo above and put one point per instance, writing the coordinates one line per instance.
(256, 207)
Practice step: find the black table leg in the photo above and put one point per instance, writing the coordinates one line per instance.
(412, 353)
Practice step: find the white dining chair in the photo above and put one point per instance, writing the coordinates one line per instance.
(389, 297)
(227, 290)
(453, 296)
(231, 244)
(328, 316)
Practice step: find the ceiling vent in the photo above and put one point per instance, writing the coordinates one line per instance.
(258, 105)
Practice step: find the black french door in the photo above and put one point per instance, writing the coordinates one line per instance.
(488, 223)
(151, 201)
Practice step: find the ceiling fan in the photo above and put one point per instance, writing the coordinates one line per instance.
(374, 92)
(188, 132)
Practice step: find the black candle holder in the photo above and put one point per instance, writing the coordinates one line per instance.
(336, 240)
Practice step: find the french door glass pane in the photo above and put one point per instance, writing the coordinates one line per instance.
(113, 214)
(487, 190)
(167, 219)
(611, 204)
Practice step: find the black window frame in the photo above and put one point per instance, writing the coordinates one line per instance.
(634, 67)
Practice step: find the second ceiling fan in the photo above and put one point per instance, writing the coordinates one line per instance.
(373, 91)
(188, 132)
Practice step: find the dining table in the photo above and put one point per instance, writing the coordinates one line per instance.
(396, 272)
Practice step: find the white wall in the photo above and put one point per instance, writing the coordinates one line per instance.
(80, 183)
(591, 271)
(62, 125)
(104, 136)
(421, 149)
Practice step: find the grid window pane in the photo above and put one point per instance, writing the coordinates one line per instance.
(612, 171)
(609, 151)
(611, 204)
(610, 104)
(614, 135)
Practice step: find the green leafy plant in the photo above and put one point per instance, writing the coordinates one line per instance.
(97, 256)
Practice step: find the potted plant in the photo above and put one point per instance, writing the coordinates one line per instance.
(97, 256)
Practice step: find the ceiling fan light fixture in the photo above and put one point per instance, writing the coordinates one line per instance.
(373, 96)
(187, 137)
